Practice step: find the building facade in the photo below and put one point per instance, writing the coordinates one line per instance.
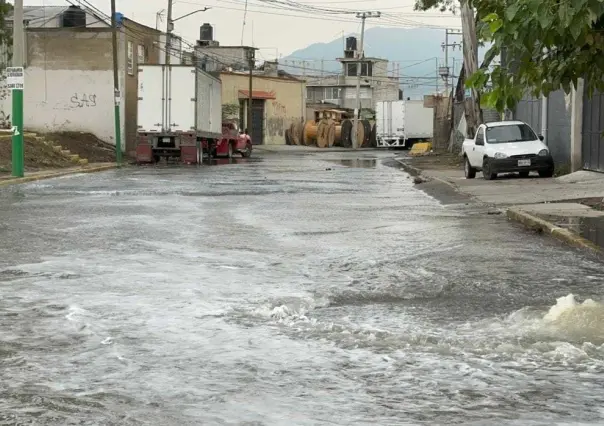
(278, 99)
(277, 103)
(69, 73)
(377, 83)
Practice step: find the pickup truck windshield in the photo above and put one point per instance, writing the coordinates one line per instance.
(511, 133)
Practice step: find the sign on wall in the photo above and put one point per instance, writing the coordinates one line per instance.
(15, 78)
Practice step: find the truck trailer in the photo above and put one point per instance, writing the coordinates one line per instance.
(399, 124)
(180, 116)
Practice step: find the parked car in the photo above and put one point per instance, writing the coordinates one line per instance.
(506, 147)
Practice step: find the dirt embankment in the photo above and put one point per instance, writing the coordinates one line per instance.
(85, 145)
(40, 155)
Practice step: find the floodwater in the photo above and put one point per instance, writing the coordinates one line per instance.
(288, 291)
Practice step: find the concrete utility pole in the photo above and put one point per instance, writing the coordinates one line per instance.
(16, 82)
(445, 71)
(169, 29)
(116, 87)
(251, 61)
(470, 60)
(360, 56)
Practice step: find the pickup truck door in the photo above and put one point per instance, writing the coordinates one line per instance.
(478, 148)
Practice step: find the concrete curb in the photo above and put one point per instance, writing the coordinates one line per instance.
(414, 171)
(26, 179)
(541, 225)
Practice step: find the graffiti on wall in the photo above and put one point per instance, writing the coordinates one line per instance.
(276, 124)
(83, 100)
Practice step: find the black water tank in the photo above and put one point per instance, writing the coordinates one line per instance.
(73, 17)
(351, 43)
(206, 32)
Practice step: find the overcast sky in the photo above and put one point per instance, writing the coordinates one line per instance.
(270, 25)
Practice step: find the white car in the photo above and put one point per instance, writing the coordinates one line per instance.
(506, 147)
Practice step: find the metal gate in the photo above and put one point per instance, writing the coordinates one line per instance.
(593, 126)
(257, 130)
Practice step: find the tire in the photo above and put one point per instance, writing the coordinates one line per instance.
(524, 175)
(248, 151)
(486, 170)
(547, 173)
(469, 171)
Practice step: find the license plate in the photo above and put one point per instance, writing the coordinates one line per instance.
(166, 140)
(524, 163)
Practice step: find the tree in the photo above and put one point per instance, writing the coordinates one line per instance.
(6, 33)
(549, 44)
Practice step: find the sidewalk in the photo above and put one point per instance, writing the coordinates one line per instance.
(568, 207)
(54, 173)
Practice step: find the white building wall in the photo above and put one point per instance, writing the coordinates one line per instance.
(66, 100)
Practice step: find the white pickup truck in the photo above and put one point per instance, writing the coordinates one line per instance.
(506, 147)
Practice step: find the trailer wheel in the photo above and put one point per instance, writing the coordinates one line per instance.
(248, 151)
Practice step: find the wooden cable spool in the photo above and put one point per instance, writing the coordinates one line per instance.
(338, 135)
(309, 133)
(366, 134)
(346, 134)
(373, 138)
(360, 134)
(288, 136)
(296, 133)
(331, 133)
(322, 132)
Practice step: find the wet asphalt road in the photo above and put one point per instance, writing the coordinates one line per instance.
(290, 290)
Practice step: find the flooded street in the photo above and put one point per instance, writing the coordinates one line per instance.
(288, 290)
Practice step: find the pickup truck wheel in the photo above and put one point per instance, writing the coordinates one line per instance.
(469, 171)
(486, 170)
(247, 152)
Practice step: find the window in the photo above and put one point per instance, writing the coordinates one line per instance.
(511, 133)
(333, 92)
(351, 70)
(480, 136)
(142, 54)
(366, 69)
(130, 58)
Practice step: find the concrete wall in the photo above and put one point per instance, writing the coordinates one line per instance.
(288, 106)
(558, 122)
(68, 83)
(146, 39)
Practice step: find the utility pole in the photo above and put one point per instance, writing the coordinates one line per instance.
(444, 71)
(360, 56)
(116, 87)
(470, 60)
(169, 29)
(251, 61)
(16, 82)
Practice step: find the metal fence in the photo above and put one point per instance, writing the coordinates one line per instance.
(558, 122)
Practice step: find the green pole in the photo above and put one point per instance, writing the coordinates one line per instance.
(17, 121)
(118, 134)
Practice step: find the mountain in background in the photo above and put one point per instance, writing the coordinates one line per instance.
(415, 49)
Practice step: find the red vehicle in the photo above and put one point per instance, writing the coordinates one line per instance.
(232, 142)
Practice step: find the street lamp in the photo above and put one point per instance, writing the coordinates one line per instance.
(171, 23)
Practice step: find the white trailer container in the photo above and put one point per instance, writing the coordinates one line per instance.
(179, 110)
(399, 124)
(420, 121)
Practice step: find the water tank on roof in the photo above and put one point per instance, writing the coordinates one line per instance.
(73, 17)
(351, 43)
(206, 32)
